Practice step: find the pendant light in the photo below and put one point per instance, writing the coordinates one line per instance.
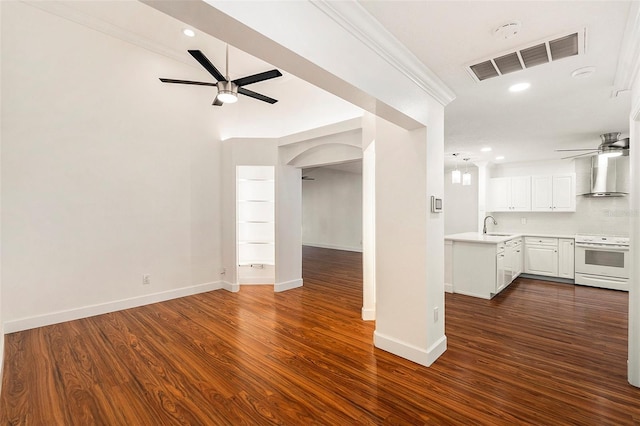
(455, 174)
(466, 177)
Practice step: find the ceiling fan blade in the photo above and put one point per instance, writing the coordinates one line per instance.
(217, 102)
(583, 149)
(579, 155)
(197, 83)
(255, 95)
(267, 75)
(199, 56)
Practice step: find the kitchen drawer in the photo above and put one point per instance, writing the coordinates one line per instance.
(515, 242)
(541, 241)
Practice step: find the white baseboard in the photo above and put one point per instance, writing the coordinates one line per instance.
(368, 314)
(472, 294)
(448, 288)
(333, 247)
(256, 281)
(103, 308)
(418, 355)
(287, 285)
(232, 287)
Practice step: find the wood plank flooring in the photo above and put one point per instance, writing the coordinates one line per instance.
(539, 353)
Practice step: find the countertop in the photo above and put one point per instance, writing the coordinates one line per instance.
(478, 237)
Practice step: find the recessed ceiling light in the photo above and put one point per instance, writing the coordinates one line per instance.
(486, 149)
(519, 87)
(500, 157)
(583, 72)
(189, 32)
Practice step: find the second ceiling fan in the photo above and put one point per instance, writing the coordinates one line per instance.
(228, 89)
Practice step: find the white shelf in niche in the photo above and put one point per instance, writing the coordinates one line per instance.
(255, 198)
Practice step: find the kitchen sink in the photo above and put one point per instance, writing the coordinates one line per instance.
(498, 234)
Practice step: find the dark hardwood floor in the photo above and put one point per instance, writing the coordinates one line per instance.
(539, 353)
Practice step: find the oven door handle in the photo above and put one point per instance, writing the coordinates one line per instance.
(603, 247)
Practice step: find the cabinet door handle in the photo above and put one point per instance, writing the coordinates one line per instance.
(555, 251)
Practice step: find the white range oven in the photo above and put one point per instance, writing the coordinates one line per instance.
(602, 261)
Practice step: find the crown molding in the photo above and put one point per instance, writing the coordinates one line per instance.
(629, 62)
(351, 16)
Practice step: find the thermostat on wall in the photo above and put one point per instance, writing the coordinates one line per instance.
(436, 204)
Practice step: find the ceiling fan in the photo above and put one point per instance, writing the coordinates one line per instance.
(228, 89)
(611, 146)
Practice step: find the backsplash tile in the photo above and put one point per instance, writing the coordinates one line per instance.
(601, 216)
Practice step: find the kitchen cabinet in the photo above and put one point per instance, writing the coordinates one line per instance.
(510, 194)
(519, 261)
(479, 268)
(553, 193)
(566, 258)
(541, 256)
(513, 259)
(501, 272)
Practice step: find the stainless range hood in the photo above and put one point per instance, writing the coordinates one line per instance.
(609, 176)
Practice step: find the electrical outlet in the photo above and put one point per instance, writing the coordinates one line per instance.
(146, 279)
(435, 314)
(523, 220)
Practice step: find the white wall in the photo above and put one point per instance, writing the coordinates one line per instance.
(460, 203)
(332, 209)
(239, 152)
(288, 238)
(106, 175)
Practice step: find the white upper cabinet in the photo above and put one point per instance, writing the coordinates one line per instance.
(564, 193)
(510, 194)
(553, 193)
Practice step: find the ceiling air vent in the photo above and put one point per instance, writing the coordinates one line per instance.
(535, 55)
(508, 63)
(564, 47)
(529, 56)
(484, 70)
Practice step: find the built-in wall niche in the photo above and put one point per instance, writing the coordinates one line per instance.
(255, 195)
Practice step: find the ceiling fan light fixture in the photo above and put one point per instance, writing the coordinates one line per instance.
(609, 152)
(227, 92)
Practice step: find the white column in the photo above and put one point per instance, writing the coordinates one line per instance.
(409, 241)
(634, 220)
(368, 218)
(288, 228)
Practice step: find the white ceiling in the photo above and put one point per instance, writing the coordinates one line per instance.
(557, 112)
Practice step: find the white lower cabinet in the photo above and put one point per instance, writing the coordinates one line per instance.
(541, 256)
(513, 259)
(566, 258)
(479, 269)
(501, 272)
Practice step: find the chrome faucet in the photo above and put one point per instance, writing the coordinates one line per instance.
(484, 229)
